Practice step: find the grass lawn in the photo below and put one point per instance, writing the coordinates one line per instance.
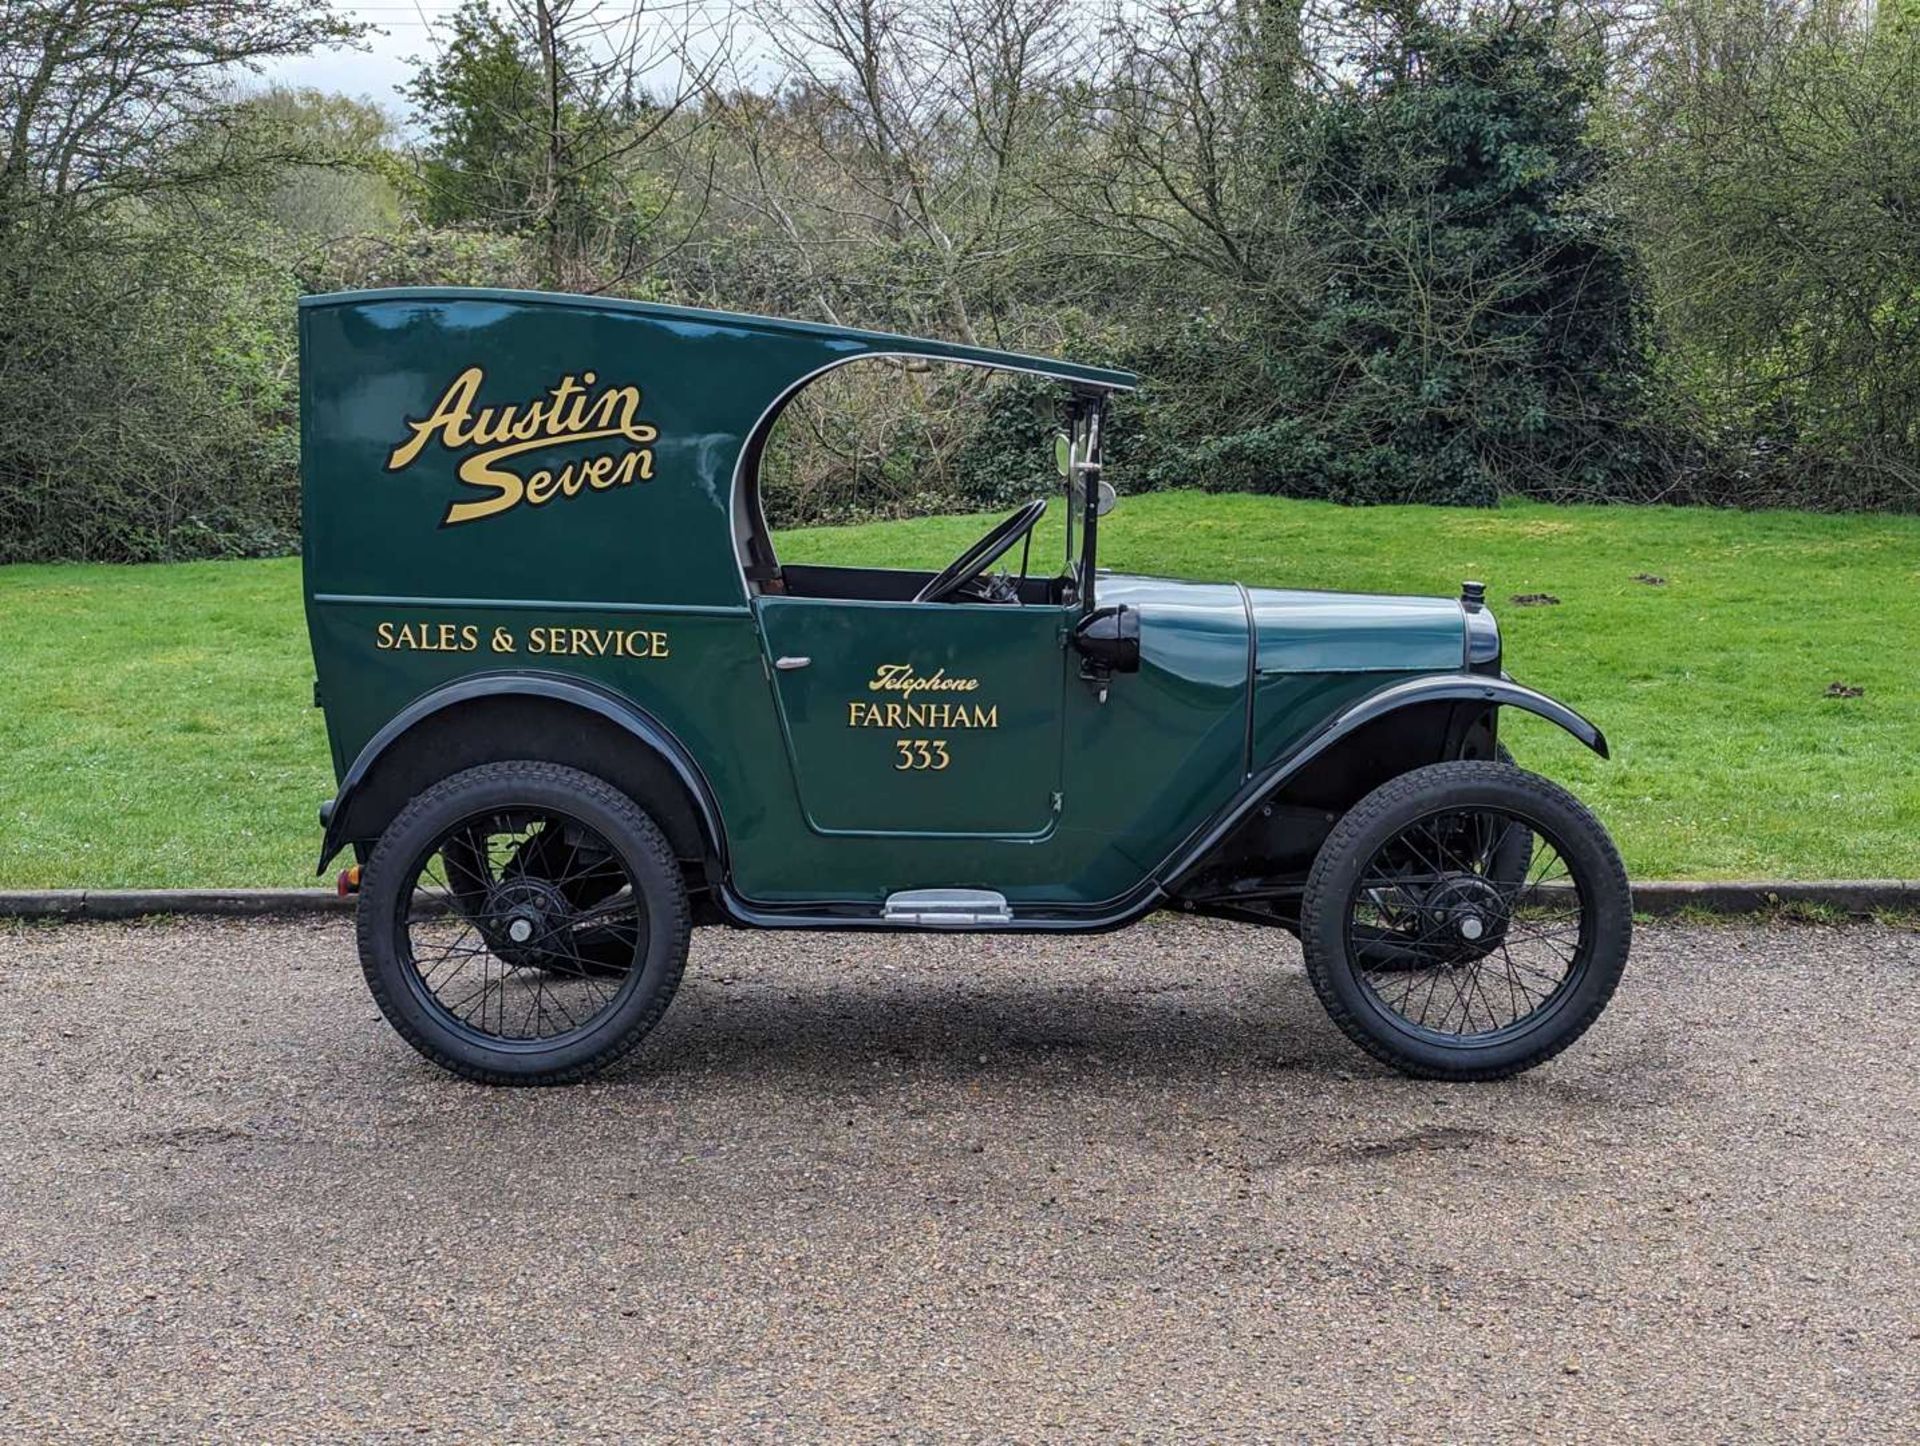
(156, 727)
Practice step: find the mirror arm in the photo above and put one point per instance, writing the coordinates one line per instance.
(1089, 509)
(1108, 640)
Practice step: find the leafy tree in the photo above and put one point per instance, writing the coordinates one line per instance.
(542, 123)
(1375, 265)
(348, 181)
(1477, 327)
(1776, 189)
(144, 343)
(98, 98)
(479, 100)
(1367, 250)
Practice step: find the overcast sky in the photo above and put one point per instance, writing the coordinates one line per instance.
(374, 72)
(403, 30)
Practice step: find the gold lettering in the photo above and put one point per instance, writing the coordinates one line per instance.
(930, 714)
(569, 412)
(479, 471)
(620, 402)
(489, 426)
(427, 637)
(448, 417)
(901, 678)
(557, 642)
(540, 487)
(576, 399)
(529, 425)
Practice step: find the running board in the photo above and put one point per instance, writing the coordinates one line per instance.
(947, 908)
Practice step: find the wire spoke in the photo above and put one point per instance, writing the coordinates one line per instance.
(523, 925)
(1459, 931)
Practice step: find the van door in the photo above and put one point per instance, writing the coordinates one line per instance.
(920, 718)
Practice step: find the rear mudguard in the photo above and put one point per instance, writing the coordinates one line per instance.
(1439, 688)
(645, 730)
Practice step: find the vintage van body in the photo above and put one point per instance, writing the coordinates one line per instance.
(576, 703)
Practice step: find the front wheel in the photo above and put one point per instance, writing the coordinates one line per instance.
(1436, 951)
(523, 923)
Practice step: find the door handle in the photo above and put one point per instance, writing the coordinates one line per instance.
(787, 665)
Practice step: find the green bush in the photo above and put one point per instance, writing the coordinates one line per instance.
(147, 404)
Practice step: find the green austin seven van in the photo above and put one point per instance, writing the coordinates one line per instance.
(577, 704)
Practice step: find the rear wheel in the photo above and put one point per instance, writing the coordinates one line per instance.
(523, 923)
(1441, 951)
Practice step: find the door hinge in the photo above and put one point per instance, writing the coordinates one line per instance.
(1058, 802)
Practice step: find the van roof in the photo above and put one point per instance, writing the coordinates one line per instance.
(868, 342)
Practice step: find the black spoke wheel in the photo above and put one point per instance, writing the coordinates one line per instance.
(523, 923)
(1466, 921)
(484, 864)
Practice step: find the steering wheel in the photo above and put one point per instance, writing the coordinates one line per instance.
(976, 559)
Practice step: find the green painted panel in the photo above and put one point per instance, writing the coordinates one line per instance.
(1169, 744)
(1331, 632)
(1288, 708)
(920, 718)
(514, 445)
(590, 532)
(700, 674)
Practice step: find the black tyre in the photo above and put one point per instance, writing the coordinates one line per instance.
(1505, 858)
(523, 923)
(1514, 855)
(1435, 952)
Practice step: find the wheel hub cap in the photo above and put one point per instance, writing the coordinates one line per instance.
(1469, 910)
(522, 914)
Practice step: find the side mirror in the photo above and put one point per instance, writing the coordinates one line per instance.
(1062, 453)
(1107, 501)
(1109, 639)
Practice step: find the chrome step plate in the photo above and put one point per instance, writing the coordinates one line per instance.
(947, 908)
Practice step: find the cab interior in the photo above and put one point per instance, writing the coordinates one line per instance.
(1030, 578)
(882, 584)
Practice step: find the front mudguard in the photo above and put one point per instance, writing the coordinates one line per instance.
(1500, 692)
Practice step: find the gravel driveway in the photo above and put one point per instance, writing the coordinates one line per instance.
(1129, 1187)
